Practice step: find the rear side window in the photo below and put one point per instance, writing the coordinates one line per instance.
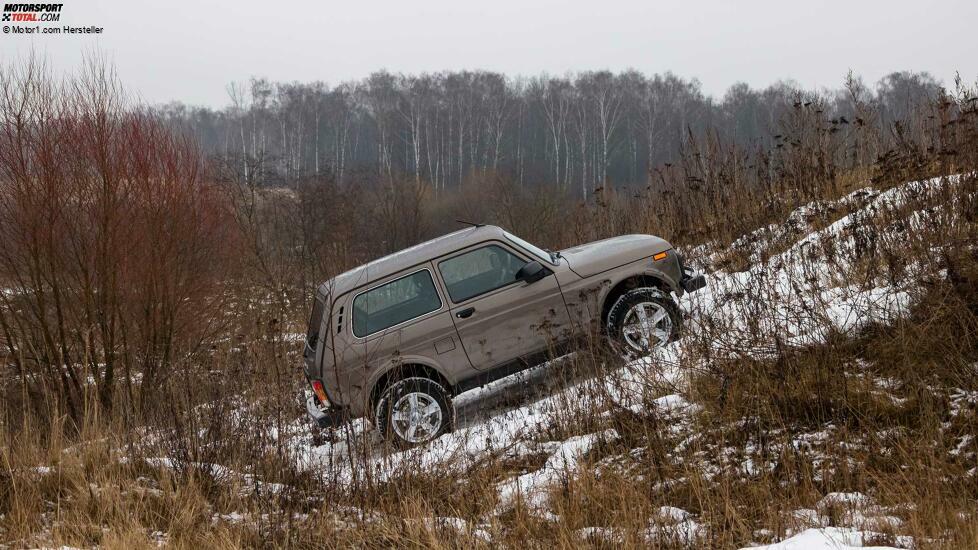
(479, 271)
(394, 303)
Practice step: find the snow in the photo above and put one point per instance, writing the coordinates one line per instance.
(849, 500)
(672, 403)
(858, 510)
(808, 280)
(233, 517)
(807, 516)
(501, 432)
(563, 462)
(686, 531)
(608, 534)
(672, 513)
(827, 538)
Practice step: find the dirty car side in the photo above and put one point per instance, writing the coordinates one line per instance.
(463, 330)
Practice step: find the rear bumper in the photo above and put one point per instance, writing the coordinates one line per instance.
(691, 280)
(325, 417)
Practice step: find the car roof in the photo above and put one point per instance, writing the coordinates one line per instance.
(409, 257)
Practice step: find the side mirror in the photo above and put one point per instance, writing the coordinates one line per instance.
(532, 272)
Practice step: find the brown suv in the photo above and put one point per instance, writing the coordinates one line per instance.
(399, 337)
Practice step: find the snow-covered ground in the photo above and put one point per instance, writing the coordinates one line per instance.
(831, 538)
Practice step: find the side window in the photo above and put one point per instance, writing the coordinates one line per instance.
(479, 271)
(393, 303)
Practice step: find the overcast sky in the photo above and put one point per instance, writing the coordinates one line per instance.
(190, 51)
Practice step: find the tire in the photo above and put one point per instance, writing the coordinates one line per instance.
(623, 318)
(394, 418)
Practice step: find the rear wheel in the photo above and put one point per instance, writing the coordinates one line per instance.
(642, 320)
(414, 411)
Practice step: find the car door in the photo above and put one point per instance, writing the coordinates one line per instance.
(498, 318)
(401, 318)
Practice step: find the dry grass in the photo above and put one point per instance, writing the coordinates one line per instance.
(888, 400)
(212, 454)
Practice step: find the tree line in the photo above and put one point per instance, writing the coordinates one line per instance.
(577, 132)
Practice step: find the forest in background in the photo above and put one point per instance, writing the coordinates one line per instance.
(576, 132)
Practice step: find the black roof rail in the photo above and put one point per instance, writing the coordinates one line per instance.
(473, 224)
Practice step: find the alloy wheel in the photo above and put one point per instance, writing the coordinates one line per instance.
(647, 325)
(416, 417)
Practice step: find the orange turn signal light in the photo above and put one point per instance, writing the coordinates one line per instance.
(317, 387)
(660, 256)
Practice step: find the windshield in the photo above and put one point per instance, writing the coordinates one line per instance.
(532, 248)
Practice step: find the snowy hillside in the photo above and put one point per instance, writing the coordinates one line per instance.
(797, 296)
(821, 396)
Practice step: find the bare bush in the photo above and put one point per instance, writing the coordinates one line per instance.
(115, 246)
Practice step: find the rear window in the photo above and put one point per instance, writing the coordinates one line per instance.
(312, 333)
(394, 303)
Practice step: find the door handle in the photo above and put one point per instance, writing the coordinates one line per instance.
(465, 313)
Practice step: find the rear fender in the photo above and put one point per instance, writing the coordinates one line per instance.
(410, 365)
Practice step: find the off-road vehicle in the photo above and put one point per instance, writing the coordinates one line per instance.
(397, 338)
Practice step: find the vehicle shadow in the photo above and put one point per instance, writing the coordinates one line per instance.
(478, 405)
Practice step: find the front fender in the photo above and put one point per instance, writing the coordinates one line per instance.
(667, 271)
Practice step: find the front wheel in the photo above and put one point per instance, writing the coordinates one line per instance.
(414, 411)
(642, 320)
